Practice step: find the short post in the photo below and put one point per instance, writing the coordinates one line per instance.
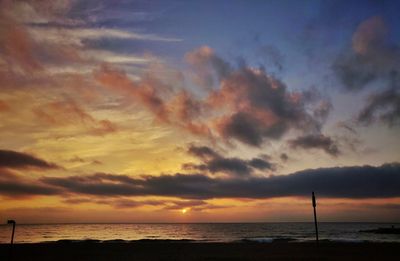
(314, 204)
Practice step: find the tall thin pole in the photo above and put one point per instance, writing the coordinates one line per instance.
(314, 204)
(12, 236)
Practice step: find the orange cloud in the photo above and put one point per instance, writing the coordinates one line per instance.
(370, 34)
(145, 91)
(68, 112)
(4, 106)
(17, 46)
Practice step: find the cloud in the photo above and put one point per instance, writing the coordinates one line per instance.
(19, 46)
(116, 203)
(12, 185)
(230, 165)
(146, 91)
(77, 36)
(186, 111)
(185, 106)
(116, 58)
(38, 38)
(244, 128)
(272, 55)
(258, 106)
(383, 106)
(4, 107)
(16, 46)
(178, 205)
(209, 67)
(19, 160)
(260, 164)
(248, 105)
(316, 141)
(337, 182)
(372, 56)
(284, 157)
(203, 152)
(77, 159)
(128, 203)
(68, 112)
(213, 162)
(347, 126)
(24, 189)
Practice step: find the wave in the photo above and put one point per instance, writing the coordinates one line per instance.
(346, 240)
(268, 239)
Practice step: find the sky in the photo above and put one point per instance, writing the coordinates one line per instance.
(199, 111)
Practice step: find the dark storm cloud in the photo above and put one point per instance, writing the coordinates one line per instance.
(13, 159)
(214, 162)
(338, 182)
(317, 141)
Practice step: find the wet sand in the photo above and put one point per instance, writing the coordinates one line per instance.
(153, 250)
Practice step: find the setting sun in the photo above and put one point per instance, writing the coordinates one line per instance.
(184, 210)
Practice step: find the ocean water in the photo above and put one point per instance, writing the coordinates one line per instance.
(205, 232)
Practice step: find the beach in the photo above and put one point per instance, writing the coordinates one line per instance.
(185, 250)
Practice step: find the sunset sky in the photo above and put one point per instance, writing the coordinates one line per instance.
(199, 111)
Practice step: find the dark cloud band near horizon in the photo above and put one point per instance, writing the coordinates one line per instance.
(355, 182)
(17, 160)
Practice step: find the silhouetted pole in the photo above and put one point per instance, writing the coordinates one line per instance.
(314, 204)
(12, 235)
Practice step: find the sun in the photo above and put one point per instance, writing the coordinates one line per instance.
(184, 210)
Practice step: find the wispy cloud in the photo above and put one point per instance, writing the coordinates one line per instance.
(77, 36)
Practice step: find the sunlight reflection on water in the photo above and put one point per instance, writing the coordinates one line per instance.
(200, 232)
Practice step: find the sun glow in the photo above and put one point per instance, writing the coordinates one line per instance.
(184, 210)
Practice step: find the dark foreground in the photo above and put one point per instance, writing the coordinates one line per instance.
(144, 251)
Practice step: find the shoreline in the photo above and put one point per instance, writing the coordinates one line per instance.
(184, 250)
(265, 240)
(255, 240)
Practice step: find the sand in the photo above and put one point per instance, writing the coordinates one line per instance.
(153, 250)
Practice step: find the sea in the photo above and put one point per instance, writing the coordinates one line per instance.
(197, 232)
